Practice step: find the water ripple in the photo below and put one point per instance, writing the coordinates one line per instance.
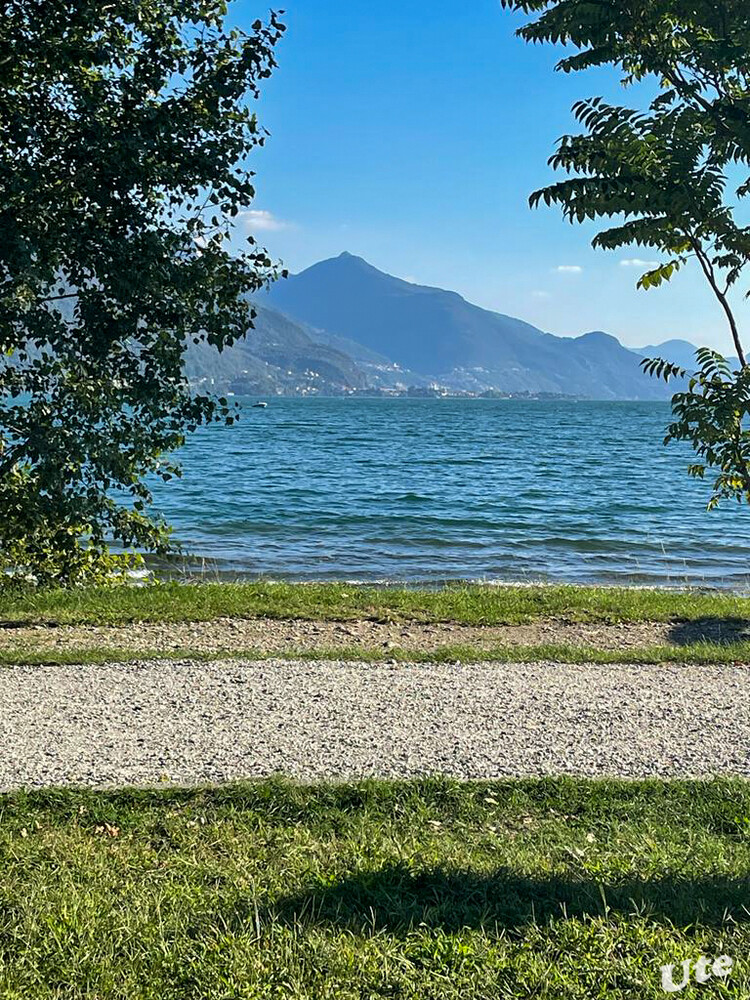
(445, 489)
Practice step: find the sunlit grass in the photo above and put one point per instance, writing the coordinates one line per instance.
(462, 604)
(431, 890)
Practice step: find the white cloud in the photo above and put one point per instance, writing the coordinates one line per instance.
(255, 220)
(637, 262)
(569, 269)
(541, 295)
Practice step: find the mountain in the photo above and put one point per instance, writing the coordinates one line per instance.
(679, 352)
(278, 357)
(447, 339)
(380, 371)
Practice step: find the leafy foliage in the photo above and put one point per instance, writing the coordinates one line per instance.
(711, 415)
(660, 175)
(124, 133)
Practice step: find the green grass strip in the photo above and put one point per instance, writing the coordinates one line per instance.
(701, 652)
(461, 604)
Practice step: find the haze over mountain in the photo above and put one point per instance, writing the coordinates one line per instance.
(444, 338)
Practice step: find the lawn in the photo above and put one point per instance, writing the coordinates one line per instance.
(433, 889)
(467, 604)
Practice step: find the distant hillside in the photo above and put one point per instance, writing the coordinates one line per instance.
(443, 337)
(380, 370)
(679, 352)
(278, 357)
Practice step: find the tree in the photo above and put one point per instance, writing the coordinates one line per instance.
(660, 174)
(124, 136)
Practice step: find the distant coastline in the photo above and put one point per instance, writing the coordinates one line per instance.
(420, 392)
(409, 392)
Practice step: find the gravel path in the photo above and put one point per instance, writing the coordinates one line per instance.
(195, 722)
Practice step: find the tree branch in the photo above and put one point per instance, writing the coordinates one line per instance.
(710, 274)
(57, 298)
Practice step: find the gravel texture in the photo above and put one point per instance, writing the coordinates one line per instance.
(187, 722)
(286, 636)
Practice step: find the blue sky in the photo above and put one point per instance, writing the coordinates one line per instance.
(412, 133)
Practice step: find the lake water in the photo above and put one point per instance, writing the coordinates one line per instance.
(432, 490)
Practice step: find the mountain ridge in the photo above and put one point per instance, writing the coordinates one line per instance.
(343, 326)
(443, 337)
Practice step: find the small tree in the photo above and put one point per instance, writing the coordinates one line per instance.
(660, 175)
(124, 133)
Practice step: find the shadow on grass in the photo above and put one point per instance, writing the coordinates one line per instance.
(721, 631)
(397, 900)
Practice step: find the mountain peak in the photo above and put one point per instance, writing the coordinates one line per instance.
(597, 343)
(350, 258)
(345, 263)
(437, 334)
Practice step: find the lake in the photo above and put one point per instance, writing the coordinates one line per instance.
(443, 489)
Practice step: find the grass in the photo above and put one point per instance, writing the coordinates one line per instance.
(697, 653)
(469, 604)
(457, 604)
(426, 890)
